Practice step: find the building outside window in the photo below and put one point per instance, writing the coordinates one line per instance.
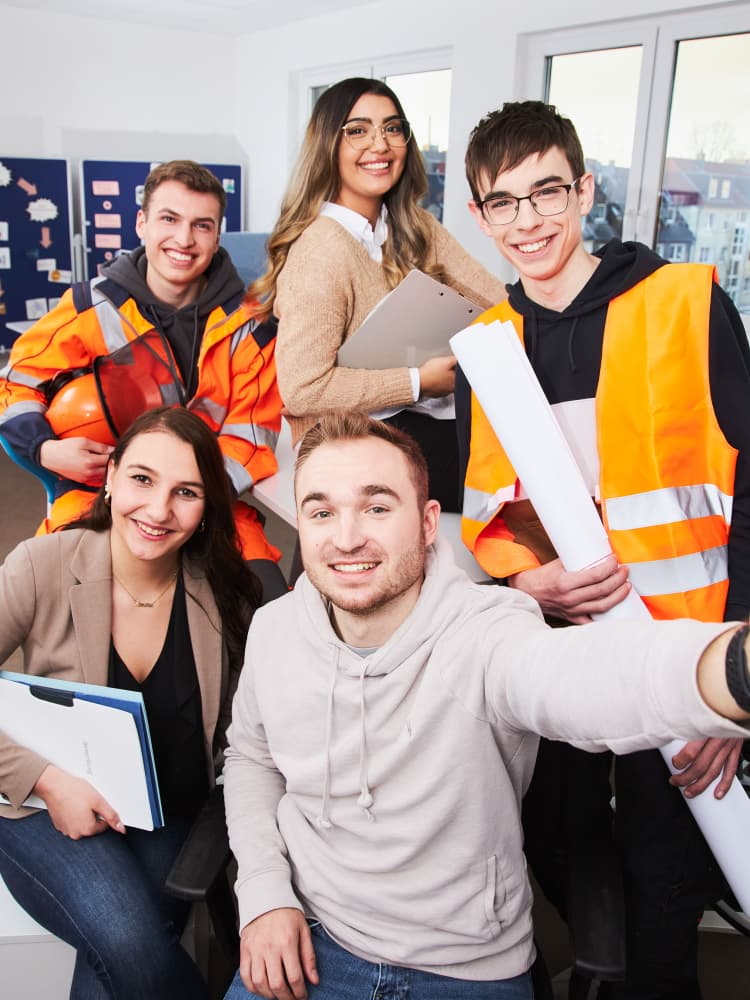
(683, 174)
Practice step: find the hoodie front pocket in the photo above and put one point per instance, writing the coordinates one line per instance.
(490, 894)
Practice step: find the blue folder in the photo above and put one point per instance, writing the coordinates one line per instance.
(63, 692)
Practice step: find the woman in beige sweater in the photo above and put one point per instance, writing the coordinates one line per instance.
(349, 231)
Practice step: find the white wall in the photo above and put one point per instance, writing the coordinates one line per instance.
(483, 35)
(92, 89)
(80, 87)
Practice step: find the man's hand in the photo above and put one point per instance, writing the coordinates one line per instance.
(277, 955)
(75, 807)
(701, 761)
(76, 458)
(437, 377)
(575, 596)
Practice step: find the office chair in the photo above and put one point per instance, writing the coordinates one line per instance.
(48, 479)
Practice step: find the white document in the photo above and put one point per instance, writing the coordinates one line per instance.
(504, 382)
(92, 741)
(409, 326)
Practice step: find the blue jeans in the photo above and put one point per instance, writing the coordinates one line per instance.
(345, 977)
(102, 895)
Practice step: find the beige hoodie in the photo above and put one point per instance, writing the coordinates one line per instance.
(381, 794)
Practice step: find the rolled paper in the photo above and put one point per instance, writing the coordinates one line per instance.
(495, 363)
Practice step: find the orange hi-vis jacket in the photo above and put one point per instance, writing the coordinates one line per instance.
(666, 470)
(236, 394)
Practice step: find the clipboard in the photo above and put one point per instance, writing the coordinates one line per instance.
(412, 324)
(93, 732)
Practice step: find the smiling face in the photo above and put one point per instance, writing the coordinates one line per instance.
(181, 234)
(367, 175)
(547, 252)
(363, 535)
(157, 498)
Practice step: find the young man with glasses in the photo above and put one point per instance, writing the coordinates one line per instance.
(646, 366)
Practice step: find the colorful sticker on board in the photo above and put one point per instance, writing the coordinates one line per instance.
(5, 176)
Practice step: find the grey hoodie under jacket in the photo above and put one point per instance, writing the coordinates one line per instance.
(381, 794)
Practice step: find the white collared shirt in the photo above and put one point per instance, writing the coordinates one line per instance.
(372, 240)
(359, 227)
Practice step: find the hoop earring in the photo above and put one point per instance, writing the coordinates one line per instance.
(107, 494)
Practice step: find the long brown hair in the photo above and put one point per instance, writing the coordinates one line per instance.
(215, 549)
(315, 179)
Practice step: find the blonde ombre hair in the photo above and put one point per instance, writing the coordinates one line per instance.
(315, 179)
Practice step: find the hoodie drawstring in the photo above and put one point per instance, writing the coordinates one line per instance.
(323, 819)
(365, 798)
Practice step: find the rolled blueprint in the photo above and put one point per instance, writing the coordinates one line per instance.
(495, 363)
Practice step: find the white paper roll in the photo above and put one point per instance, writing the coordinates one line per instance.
(495, 363)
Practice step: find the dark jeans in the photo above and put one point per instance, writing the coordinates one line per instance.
(668, 871)
(343, 976)
(102, 895)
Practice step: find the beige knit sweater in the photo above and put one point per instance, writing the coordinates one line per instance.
(327, 287)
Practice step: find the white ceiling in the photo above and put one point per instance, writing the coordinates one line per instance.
(214, 16)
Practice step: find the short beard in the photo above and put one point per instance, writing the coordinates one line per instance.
(407, 571)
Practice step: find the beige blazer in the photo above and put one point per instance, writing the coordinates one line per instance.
(56, 604)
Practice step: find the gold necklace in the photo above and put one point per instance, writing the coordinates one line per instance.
(146, 604)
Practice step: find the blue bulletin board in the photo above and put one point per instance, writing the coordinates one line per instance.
(112, 191)
(35, 239)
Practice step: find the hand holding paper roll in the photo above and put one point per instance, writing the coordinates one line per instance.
(503, 381)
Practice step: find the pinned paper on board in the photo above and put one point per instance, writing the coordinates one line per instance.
(61, 277)
(42, 210)
(4, 232)
(36, 308)
(107, 221)
(110, 241)
(46, 264)
(105, 189)
(4, 258)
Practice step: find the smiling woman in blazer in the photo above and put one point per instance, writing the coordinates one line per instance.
(148, 593)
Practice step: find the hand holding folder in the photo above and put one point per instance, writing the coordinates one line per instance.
(96, 733)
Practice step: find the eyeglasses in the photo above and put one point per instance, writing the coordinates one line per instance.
(361, 135)
(502, 209)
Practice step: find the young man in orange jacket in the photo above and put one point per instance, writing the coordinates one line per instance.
(181, 295)
(646, 366)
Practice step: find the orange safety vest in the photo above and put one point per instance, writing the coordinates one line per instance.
(666, 470)
(237, 394)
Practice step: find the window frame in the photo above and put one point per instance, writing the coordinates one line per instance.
(658, 37)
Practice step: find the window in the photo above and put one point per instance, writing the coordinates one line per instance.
(617, 72)
(422, 82)
(705, 255)
(684, 79)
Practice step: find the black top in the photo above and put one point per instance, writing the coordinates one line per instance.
(173, 706)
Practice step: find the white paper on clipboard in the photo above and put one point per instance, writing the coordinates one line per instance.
(409, 326)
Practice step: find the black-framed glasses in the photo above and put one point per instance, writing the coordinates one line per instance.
(502, 209)
(361, 135)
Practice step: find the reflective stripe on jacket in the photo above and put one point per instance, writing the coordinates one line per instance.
(667, 471)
